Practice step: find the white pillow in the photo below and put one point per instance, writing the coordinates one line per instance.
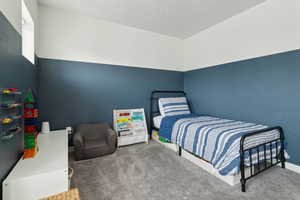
(173, 106)
(157, 121)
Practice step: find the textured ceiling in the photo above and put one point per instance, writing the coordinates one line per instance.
(178, 18)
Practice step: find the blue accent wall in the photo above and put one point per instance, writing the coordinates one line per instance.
(15, 71)
(263, 90)
(71, 92)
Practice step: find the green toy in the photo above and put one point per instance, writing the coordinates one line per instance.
(164, 140)
(29, 140)
(29, 97)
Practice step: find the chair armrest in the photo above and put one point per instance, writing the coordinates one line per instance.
(111, 137)
(78, 140)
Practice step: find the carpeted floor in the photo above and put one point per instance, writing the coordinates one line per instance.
(144, 172)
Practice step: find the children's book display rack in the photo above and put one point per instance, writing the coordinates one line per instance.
(131, 126)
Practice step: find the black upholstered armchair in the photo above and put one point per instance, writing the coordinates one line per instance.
(93, 140)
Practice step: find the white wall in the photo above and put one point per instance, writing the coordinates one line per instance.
(271, 27)
(32, 6)
(268, 28)
(12, 9)
(28, 37)
(70, 36)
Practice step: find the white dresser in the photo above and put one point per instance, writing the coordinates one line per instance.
(42, 176)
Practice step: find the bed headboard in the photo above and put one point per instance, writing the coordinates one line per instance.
(154, 109)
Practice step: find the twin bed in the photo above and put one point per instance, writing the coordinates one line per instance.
(232, 148)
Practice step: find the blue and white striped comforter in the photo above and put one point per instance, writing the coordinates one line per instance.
(218, 140)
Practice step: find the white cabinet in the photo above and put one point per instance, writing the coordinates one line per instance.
(42, 176)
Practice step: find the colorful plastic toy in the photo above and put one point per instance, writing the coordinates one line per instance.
(7, 120)
(9, 90)
(30, 129)
(164, 140)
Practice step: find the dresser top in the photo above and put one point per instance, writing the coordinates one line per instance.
(52, 156)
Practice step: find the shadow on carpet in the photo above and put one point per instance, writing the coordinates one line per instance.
(144, 172)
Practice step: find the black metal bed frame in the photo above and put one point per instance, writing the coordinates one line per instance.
(263, 164)
(156, 112)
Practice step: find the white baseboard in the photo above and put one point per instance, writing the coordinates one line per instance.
(292, 167)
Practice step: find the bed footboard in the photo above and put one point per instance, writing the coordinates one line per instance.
(265, 156)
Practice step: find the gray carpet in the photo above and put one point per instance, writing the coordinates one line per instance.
(144, 172)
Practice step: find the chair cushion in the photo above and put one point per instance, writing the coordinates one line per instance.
(96, 148)
(90, 144)
(93, 131)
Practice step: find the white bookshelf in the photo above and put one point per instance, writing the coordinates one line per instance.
(131, 126)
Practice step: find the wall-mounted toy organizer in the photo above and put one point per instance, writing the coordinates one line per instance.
(30, 132)
(11, 113)
(131, 126)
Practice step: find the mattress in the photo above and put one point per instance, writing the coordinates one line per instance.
(157, 121)
(217, 140)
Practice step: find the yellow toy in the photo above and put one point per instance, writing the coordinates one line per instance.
(7, 120)
(5, 91)
(155, 134)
